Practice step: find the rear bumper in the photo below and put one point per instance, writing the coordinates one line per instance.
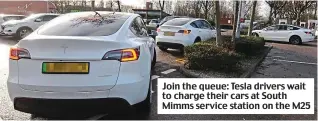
(308, 39)
(69, 106)
(185, 41)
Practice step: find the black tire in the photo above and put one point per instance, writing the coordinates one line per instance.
(198, 39)
(296, 40)
(145, 106)
(163, 48)
(154, 60)
(255, 34)
(24, 30)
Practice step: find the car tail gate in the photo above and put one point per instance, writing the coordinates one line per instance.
(61, 65)
(173, 31)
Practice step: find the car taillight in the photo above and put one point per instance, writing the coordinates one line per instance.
(123, 55)
(308, 32)
(18, 53)
(184, 31)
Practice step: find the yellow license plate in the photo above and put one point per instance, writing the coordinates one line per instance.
(168, 33)
(65, 67)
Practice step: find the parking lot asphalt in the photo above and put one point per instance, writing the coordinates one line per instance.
(284, 60)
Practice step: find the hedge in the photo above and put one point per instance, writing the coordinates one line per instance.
(206, 55)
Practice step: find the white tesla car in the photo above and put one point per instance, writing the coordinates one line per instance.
(285, 33)
(180, 32)
(94, 60)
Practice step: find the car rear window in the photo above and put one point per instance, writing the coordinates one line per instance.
(85, 24)
(177, 21)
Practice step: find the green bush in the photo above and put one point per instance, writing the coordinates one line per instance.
(212, 23)
(244, 32)
(206, 55)
(249, 45)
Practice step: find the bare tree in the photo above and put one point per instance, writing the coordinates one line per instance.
(118, 4)
(275, 8)
(250, 28)
(298, 7)
(207, 6)
(161, 4)
(236, 12)
(217, 21)
(93, 5)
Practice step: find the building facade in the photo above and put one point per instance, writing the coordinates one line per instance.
(26, 7)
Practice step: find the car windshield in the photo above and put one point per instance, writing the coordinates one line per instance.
(33, 16)
(7, 18)
(177, 21)
(84, 24)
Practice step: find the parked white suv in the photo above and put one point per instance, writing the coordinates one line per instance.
(22, 28)
(8, 17)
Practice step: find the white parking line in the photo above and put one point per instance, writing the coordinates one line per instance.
(295, 62)
(278, 56)
(168, 71)
(97, 117)
(153, 77)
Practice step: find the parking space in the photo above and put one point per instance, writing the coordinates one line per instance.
(284, 60)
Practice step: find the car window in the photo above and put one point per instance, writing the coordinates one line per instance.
(48, 17)
(292, 28)
(177, 21)
(274, 27)
(84, 24)
(199, 24)
(206, 25)
(138, 27)
(194, 25)
(142, 25)
(282, 27)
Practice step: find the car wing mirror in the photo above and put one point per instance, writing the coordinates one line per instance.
(38, 20)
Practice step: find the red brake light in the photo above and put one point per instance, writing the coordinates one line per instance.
(184, 31)
(308, 32)
(123, 55)
(18, 53)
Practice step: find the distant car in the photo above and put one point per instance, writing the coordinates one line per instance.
(164, 20)
(22, 28)
(180, 32)
(285, 33)
(8, 17)
(153, 23)
(92, 61)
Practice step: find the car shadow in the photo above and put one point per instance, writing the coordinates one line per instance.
(175, 52)
(8, 40)
(308, 44)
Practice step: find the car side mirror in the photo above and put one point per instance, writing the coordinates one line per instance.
(38, 20)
